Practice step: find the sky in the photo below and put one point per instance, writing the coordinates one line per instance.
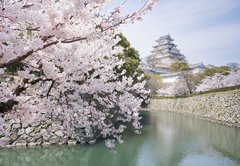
(205, 31)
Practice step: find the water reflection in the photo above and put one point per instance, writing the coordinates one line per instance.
(168, 139)
(179, 138)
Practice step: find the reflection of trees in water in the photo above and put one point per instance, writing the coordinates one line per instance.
(191, 132)
(39, 156)
(146, 118)
(175, 137)
(95, 155)
(165, 144)
(167, 139)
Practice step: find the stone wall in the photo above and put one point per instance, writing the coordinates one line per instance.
(45, 132)
(220, 107)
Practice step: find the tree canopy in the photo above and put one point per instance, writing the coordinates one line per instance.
(131, 59)
(221, 70)
(69, 57)
(219, 80)
(179, 66)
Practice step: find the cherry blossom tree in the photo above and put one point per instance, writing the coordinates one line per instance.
(220, 81)
(176, 89)
(166, 91)
(232, 79)
(67, 49)
(210, 82)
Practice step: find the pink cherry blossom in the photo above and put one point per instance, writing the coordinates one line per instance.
(69, 61)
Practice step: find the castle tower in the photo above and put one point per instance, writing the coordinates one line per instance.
(164, 53)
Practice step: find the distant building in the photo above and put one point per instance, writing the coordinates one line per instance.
(233, 65)
(197, 68)
(164, 53)
(171, 77)
(210, 66)
(162, 56)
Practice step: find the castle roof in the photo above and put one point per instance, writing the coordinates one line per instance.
(164, 53)
(197, 65)
(165, 46)
(166, 37)
(175, 74)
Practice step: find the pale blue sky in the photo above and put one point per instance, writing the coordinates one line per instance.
(205, 30)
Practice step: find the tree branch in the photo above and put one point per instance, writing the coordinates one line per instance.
(73, 40)
(50, 88)
(20, 89)
(21, 58)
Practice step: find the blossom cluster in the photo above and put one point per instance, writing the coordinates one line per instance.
(176, 89)
(220, 81)
(67, 50)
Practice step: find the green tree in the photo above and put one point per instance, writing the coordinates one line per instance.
(221, 70)
(184, 69)
(131, 58)
(179, 66)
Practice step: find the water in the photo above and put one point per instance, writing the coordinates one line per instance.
(168, 139)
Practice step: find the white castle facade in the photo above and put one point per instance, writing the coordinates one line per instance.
(165, 53)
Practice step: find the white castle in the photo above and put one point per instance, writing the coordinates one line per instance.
(165, 53)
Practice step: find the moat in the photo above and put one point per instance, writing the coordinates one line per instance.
(167, 139)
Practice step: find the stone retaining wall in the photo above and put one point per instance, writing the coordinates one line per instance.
(220, 107)
(48, 131)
